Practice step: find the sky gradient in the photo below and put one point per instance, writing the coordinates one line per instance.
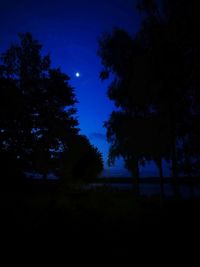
(69, 32)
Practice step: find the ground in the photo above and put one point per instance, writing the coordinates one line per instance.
(85, 220)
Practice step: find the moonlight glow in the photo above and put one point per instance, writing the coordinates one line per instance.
(77, 74)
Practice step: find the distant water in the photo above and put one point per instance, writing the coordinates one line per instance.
(38, 176)
(112, 172)
(151, 189)
(146, 189)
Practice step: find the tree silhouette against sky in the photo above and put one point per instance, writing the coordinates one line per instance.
(38, 115)
(155, 87)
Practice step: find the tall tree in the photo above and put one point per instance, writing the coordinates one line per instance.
(128, 129)
(37, 115)
(155, 81)
(175, 54)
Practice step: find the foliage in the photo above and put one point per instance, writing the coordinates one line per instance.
(38, 123)
(82, 162)
(156, 85)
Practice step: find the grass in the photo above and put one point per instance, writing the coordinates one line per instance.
(114, 219)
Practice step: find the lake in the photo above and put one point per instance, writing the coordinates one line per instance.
(149, 189)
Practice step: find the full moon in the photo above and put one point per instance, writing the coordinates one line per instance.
(77, 74)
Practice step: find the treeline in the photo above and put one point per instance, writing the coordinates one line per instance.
(156, 88)
(38, 125)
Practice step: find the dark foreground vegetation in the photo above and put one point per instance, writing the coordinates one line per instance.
(98, 219)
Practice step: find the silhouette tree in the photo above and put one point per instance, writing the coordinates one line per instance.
(37, 111)
(82, 162)
(173, 52)
(156, 84)
(38, 127)
(131, 130)
(11, 109)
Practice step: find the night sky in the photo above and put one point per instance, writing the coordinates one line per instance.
(69, 31)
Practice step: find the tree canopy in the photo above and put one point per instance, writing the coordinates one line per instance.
(155, 87)
(37, 111)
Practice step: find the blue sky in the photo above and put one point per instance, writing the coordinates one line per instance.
(69, 31)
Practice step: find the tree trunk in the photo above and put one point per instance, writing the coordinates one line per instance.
(160, 166)
(136, 177)
(174, 151)
(45, 176)
(174, 168)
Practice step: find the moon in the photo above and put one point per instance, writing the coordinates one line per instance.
(77, 74)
